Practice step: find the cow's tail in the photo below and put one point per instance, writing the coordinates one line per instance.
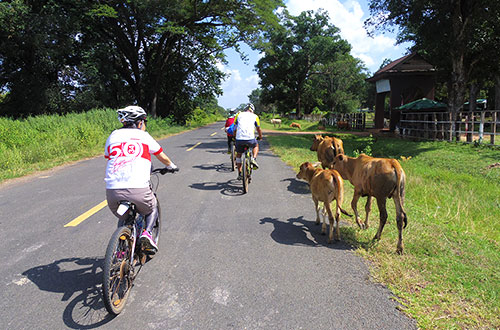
(399, 193)
(339, 186)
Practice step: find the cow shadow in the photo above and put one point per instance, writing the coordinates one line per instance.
(297, 187)
(75, 276)
(296, 231)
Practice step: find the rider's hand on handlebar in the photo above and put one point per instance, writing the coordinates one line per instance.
(259, 138)
(172, 166)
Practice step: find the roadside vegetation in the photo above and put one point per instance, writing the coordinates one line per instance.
(449, 276)
(42, 142)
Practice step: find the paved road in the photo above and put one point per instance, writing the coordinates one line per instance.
(227, 260)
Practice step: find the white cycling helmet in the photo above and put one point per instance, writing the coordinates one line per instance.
(131, 114)
(250, 107)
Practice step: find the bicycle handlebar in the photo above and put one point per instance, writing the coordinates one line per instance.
(164, 170)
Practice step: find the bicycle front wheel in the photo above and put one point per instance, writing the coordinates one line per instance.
(117, 272)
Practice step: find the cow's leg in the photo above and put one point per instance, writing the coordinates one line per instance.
(337, 220)
(316, 204)
(381, 201)
(330, 217)
(323, 220)
(400, 219)
(368, 208)
(354, 205)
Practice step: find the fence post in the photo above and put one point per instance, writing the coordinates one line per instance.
(493, 126)
(481, 127)
(469, 118)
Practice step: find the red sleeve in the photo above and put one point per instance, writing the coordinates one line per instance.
(158, 152)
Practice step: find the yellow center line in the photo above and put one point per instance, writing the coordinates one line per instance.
(213, 134)
(86, 215)
(197, 144)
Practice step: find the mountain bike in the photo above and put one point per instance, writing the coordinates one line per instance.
(124, 256)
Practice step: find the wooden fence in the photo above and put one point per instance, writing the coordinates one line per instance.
(466, 126)
(353, 120)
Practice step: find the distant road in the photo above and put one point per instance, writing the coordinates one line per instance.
(226, 261)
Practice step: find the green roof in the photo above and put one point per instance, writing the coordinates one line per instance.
(423, 104)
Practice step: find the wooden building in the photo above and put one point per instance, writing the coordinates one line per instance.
(404, 80)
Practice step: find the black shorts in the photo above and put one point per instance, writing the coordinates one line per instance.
(241, 144)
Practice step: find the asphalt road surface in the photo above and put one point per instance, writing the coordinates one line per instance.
(227, 260)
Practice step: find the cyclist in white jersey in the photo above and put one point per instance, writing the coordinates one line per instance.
(246, 122)
(128, 151)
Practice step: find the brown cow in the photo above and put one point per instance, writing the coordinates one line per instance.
(295, 125)
(326, 186)
(327, 148)
(381, 178)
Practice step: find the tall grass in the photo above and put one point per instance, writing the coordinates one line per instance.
(449, 276)
(42, 142)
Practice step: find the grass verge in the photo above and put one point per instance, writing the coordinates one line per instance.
(42, 142)
(449, 276)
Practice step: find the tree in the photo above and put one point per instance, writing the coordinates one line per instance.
(291, 54)
(38, 44)
(341, 83)
(161, 55)
(444, 31)
(156, 43)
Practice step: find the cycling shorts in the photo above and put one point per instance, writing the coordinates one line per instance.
(241, 144)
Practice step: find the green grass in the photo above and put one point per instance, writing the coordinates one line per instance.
(42, 142)
(449, 276)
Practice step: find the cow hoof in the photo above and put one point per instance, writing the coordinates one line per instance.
(322, 233)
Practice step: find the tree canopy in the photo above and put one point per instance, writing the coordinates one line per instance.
(459, 36)
(302, 69)
(160, 54)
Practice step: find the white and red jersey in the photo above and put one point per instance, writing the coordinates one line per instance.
(128, 151)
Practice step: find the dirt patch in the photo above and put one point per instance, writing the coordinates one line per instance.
(496, 165)
(374, 132)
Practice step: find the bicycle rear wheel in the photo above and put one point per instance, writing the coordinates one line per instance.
(233, 157)
(246, 172)
(117, 272)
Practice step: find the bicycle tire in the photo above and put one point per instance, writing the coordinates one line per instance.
(245, 172)
(117, 280)
(233, 157)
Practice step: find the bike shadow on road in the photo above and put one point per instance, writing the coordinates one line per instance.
(222, 168)
(70, 276)
(228, 188)
(298, 231)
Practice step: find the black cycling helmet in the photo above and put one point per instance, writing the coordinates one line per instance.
(250, 107)
(131, 114)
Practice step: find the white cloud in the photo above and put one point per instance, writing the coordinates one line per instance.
(349, 18)
(347, 15)
(236, 88)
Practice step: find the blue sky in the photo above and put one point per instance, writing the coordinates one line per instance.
(347, 15)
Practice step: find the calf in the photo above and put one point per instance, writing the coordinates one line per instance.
(343, 125)
(295, 125)
(276, 122)
(326, 186)
(381, 178)
(327, 148)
